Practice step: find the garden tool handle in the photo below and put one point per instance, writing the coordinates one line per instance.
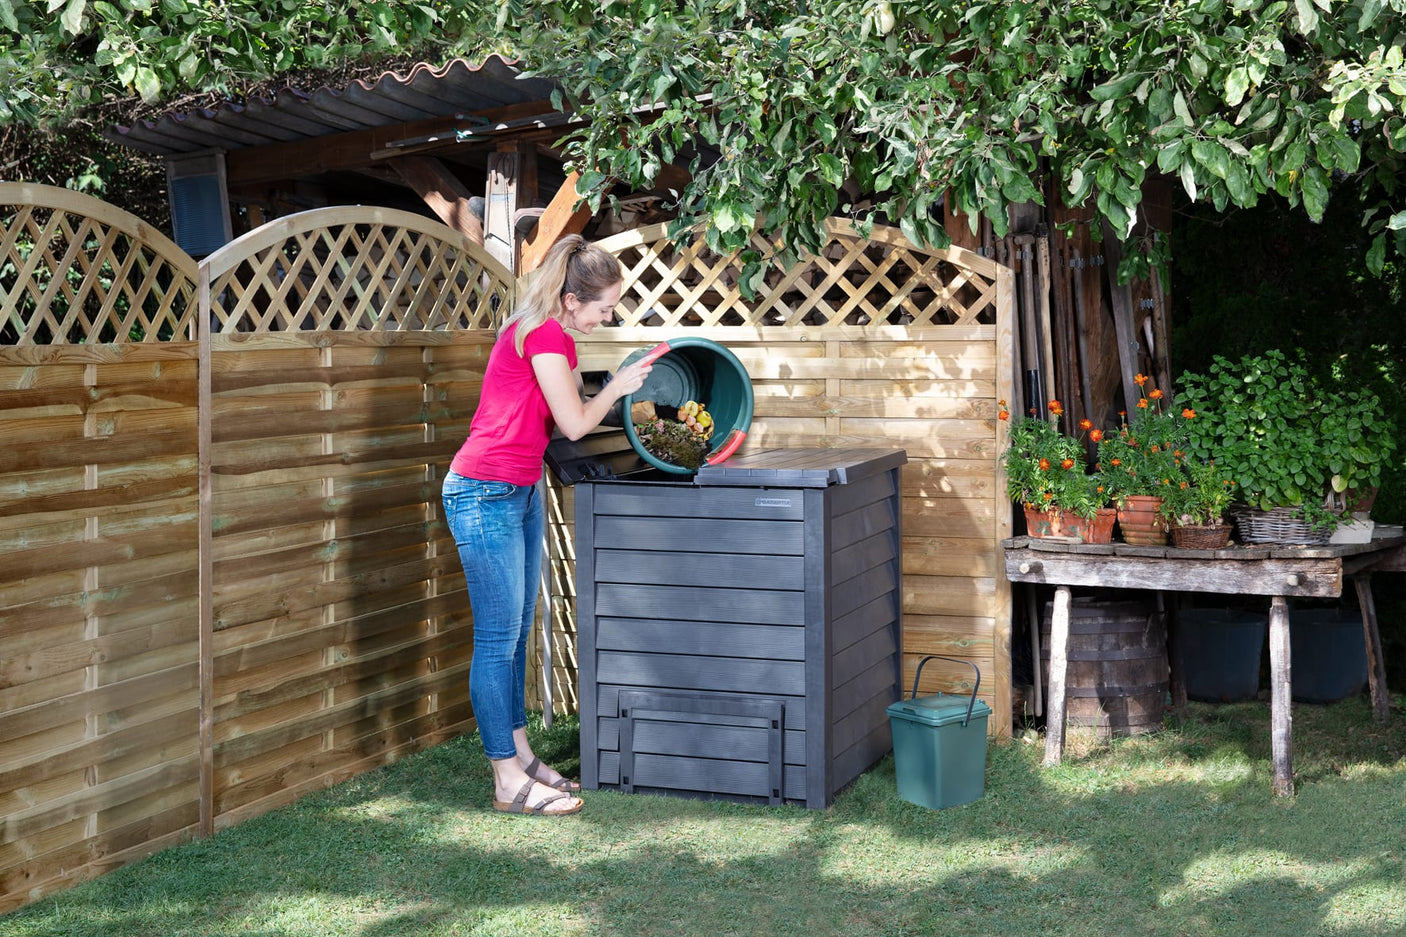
(954, 660)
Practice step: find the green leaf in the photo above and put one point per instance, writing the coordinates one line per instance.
(728, 217)
(825, 128)
(1180, 109)
(1236, 84)
(1188, 179)
(1237, 180)
(1115, 88)
(72, 16)
(1213, 156)
(1376, 255)
(831, 169)
(1315, 192)
(1307, 16)
(147, 84)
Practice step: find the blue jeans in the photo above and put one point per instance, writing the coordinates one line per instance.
(498, 529)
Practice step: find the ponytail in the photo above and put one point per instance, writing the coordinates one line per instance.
(571, 266)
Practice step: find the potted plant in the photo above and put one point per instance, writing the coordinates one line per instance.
(1196, 503)
(1047, 473)
(1138, 464)
(1293, 445)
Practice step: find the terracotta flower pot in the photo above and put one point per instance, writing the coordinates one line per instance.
(1140, 522)
(1057, 522)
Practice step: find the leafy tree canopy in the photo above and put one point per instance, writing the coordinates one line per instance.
(884, 107)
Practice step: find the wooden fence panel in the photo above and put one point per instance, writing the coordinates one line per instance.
(98, 625)
(98, 540)
(346, 361)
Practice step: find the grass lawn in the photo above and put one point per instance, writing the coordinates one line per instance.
(1165, 835)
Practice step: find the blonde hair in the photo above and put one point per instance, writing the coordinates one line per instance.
(571, 266)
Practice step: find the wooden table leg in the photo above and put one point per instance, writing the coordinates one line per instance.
(1059, 663)
(1372, 637)
(1281, 716)
(1175, 666)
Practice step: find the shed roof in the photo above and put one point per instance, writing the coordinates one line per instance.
(455, 88)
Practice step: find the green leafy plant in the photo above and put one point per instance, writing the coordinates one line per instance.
(1199, 495)
(1047, 468)
(1144, 456)
(1287, 439)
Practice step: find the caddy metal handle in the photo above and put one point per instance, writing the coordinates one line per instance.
(975, 687)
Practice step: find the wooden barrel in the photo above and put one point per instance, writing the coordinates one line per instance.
(1116, 682)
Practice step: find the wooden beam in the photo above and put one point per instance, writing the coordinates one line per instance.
(1123, 318)
(563, 216)
(442, 191)
(499, 233)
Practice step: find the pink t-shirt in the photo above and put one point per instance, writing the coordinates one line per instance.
(513, 423)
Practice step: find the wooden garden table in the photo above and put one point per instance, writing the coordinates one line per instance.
(1278, 571)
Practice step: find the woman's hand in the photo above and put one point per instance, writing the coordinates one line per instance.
(630, 378)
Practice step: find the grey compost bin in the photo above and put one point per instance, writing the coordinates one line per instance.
(739, 630)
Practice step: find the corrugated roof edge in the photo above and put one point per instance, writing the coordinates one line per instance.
(425, 91)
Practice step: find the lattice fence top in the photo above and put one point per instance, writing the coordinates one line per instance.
(879, 280)
(75, 270)
(350, 269)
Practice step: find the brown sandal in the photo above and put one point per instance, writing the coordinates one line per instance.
(519, 803)
(561, 784)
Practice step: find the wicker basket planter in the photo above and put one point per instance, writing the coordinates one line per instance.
(1281, 525)
(1200, 536)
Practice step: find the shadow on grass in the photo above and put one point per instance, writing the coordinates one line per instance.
(1163, 835)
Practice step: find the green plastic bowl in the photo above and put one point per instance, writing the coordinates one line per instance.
(694, 369)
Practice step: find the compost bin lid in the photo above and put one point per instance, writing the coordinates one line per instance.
(940, 709)
(800, 468)
(600, 455)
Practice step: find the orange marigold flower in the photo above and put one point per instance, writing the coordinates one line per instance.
(1142, 403)
(1140, 379)
(1049, 496)
(1100, 489)
(1115, 462)
(1096, 435)
(1056, 408)
(1183, 486)
(1155, 393)
(1067, 464)
(1001, 404)
(1086, 424)
(1044, 465)
(1188, 414)
(1004, 415)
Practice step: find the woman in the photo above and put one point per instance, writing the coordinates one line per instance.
(494, 507)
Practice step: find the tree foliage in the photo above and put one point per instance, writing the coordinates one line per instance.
(912, 102)
(790, 111)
